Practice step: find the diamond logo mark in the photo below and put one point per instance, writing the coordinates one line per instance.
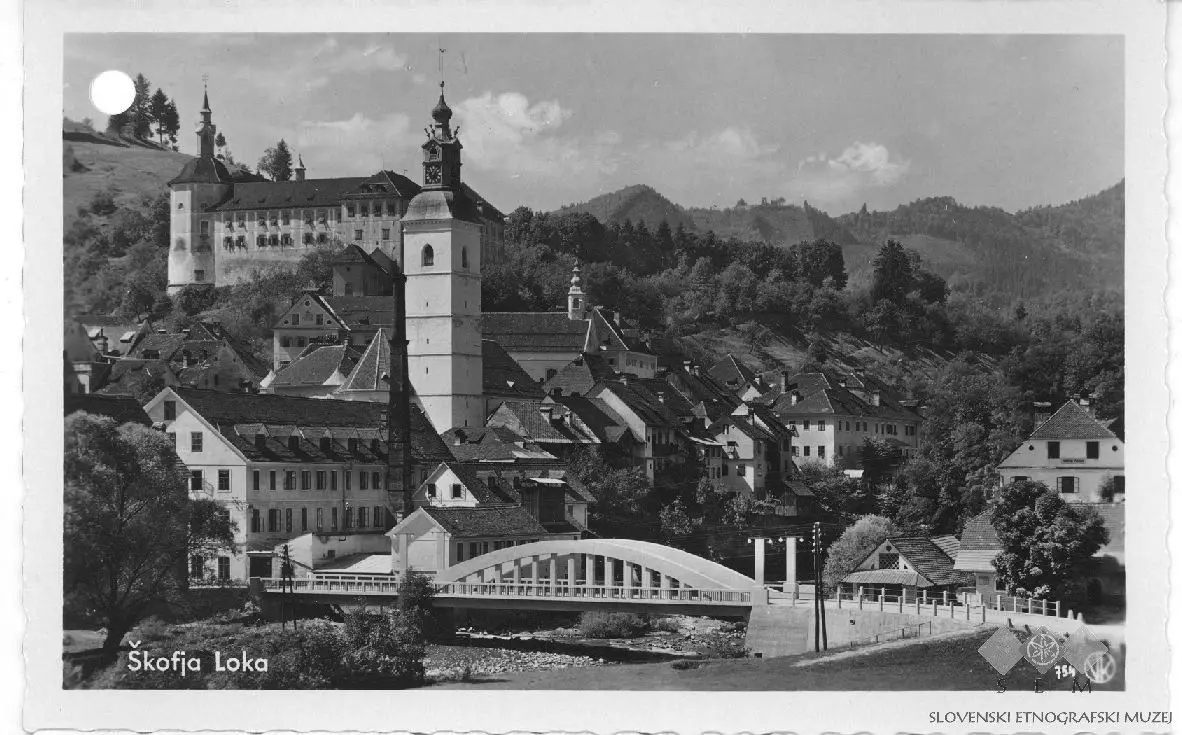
(1002, 650)
(1089, 655)
(1043, 650)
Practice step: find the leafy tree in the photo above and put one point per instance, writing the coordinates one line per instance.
(171, 122)
(852, 546)
(819, 262)
(1046, 541)
(193, 300)
(276, 162)
(126, 526)
(211, 530)
(220, 142)
(137, 300)
(879, 459)
(676, 520)
(621, 493)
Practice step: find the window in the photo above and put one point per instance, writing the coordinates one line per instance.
(272, 520)
(348, 479)
(459, 552)
(289, 480)
(795, 451)
(357, 234)
(821, 452)
(1118, 484)
(223, 568)
(888, 561)
(377, 209)
(334, 519)
(348, 517)
(196, 566)
(224, 480)
(473, 549)
(1066, 484)
(320, 519)
(256, 480)
(309, 238)
(377, 481)
(332, 480)
(319, 319)
(321, 238)
(1020, 478)
(806, 424)
(303, 519)
(199, 276)
(428, 256)
(807, 449)
(364, 210)
(362, 480)
(1093, 450)
(195, 480)
(385, 233)
(457, 491)
(1052, 450)
(998, 585)
(841, 451)
(821, 425)
(350, 210)
(170, 410)
(204, 228)
(321, 479)
(362, 517)
(741, 470)
(464, 258)
(287, 217)
(271, 484)
(301, 342)
(273, 241)
(377, 516)
(295, 320)
(287, 520)
(241, 241)
(325, 446)
(306, 479)
(431, 490)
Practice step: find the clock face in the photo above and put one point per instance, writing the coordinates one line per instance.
(433, 174)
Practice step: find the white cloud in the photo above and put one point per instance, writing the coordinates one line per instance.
(870, 158)
(357, 144)
(508, 134)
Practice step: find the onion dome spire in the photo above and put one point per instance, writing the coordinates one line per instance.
(441, 112)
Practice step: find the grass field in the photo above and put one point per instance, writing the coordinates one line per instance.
(936, 664)
(132, 172)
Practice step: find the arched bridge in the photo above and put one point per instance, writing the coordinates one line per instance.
(588, 574)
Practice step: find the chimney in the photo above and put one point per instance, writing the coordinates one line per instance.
(616, 317)
(795, 397)
(876, 399)
(784, 382)
(547, 413)
(688, 365)
(624, 378)
(556, 391)
(103, 343)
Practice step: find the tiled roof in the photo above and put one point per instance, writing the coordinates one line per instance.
(542, 423)
(640, 401)
(124, 409)
(503, 377)
(374, 363)
(317, 364)
(361, 311)
(818, 394)
(288, 194)
(1072, 421)
(731, 373)
(486, 521)
(352, 254)
(202, 171)
(579, 375)
(227, 411)
(603, 332)
(482, 205)
(929, 560)
(473, 483)
(534, 331)
(702, 387)
(949, 544)
(979, 544)
(605, 423)
(497, 445)
(885, 576)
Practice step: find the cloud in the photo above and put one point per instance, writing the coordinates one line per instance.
(332, 57)
(509, 134)
(873, 159)
(356, 144)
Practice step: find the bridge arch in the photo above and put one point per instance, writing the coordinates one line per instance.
(593, 562)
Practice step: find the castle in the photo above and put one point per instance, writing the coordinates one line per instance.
(225, 225)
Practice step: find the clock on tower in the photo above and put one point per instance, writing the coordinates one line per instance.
(434, 173)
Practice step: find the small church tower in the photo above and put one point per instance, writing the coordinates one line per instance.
(576, 300)
(441, 259)
(202, 183)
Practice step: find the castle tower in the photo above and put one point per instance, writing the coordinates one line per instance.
(441, 258)
(300, 171)
(202, 183)
(576, 300)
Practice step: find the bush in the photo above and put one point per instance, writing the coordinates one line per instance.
(660, 624)
(686, 663)
(612, 625)
(722, 645)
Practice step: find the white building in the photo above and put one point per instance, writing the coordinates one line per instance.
(1072, 453)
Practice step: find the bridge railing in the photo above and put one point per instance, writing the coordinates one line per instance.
(361, 584)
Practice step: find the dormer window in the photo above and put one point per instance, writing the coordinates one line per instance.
(457, 491)
(354, 444)
(431, 490)
(374, 446)
(260, 441)
(293, 443)
(325, 444)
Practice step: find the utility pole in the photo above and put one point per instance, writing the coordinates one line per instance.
(820, 585)
(816, 589)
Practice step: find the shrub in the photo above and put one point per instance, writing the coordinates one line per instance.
(612, 625)
(661, 624)
(686, 663)
(722, 645)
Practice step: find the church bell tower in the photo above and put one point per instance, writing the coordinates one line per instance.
(441, 258)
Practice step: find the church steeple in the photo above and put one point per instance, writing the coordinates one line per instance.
(441, 152)
(300, 171)
(208, 131)
(576, 300)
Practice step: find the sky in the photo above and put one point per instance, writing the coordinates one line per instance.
(706, 119)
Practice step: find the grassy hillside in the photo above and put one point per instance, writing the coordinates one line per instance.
(129, 171)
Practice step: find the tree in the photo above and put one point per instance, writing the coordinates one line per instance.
(158, 109)
(893, 276)
(853, 545)
(137, 300)
(141, 108)
(276, 162)
(211, 530)
(1046, 542)
(817, 262)
(220, 142)
(171, 122)
(126, 522)
(676, 520)
(879, 459)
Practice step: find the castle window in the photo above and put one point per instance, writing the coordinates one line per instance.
(308, 217)
(241, 241)
(428, 256)
(350, 210)
(385, 233)
(464, 257)
(322, 238)
(204, 228)
(228, 242)
(287, 217)
(199, 276)
(286, 240)
(308, 238)
(261, 241)
(357, 234)
(377, 209)
(274, 241)
(364, 210)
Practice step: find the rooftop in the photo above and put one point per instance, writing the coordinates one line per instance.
(503, 376)
(124, 409)
(534, 331)
(1072, 421)
(486, 521)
